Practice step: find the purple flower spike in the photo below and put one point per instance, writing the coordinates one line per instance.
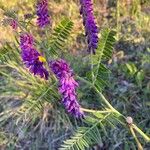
(26, 40)
(31, 57)
(67, 87)
(42, 13)
(91, 29)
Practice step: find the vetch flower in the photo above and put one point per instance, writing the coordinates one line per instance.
(28, 16)
(14, 24)
(67, 87)
(31, 57)
(26, 40)
(91, 29)
(42, 13)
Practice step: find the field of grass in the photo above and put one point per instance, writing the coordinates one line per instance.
(31, 115)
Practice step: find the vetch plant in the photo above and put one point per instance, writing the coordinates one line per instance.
(91, 29)
(14, 24)
(42, 13)
(67, 87)
(31, 57)
(46, 77)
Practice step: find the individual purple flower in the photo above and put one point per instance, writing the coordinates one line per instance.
(67, 87)
(26, 40)
(28, 16)
(31, 57)
(13, 23)
(42, 13)
(91, 29)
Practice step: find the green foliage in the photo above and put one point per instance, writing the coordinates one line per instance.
(84, 137)
(131, 69)
(140, 77)
(146, 60)
(59, 36)
(105, 46)
(8, 53)
(96, 127)
(134, 72)
(32, 92)
(36, 90)
(103, 53)
(102, 76)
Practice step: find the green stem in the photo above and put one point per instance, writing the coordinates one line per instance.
(105, 101)
(117, 18)
(100, 94)
(141, 133)
(112, 109)
(91, 58)
(135, 137)
(85, 81)
(96, 111)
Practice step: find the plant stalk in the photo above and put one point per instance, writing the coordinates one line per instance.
(141, 133)
(112, 109)
(135, 137)
(96, 111)
(100, 94)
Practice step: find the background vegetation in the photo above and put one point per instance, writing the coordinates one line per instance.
(128, 86)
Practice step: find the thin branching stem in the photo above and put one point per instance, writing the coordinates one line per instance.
(97, 111)
(135, 137)
(91, 58)
(100, 94)
(141, 133)
(112, 108)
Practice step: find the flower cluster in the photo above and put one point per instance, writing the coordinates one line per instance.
(31, 57)
(91, 29)
(42, 13)
(67, 86)
(14, 24)
(27, 16)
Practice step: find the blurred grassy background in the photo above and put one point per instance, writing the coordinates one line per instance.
(111, 13)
